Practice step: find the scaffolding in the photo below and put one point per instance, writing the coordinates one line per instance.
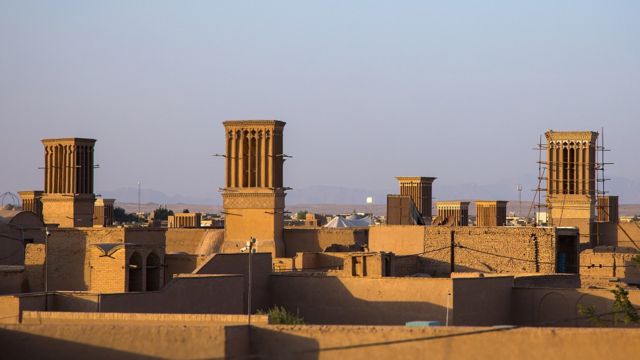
(599, 191)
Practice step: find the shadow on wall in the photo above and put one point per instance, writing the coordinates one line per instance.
(362, 301)
(318, 240)
(13, 344)
(66, 255)
(238, 264)
(188, 293)
(267, 343)
(559, 307)
(439, 268)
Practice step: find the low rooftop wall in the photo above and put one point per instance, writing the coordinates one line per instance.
(54, 317)
(144, 341)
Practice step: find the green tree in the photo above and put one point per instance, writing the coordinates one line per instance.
(301, 215)
(121, 216)
(162, 213)
(622, 306)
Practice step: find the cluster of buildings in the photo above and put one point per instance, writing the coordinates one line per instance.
(66, 272)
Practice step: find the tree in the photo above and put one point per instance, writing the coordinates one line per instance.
(162, 213)
(622, 306)
(301, 215)
(121, 216)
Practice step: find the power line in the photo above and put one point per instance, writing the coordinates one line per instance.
(537, 261)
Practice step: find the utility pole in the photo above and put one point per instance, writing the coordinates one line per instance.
(519, 188)
(452, 251)
(251, 248)
(139, 183)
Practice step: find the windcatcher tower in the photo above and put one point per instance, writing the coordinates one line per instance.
(419, 189)
(571, 180)
(253, 198)
(68, 197)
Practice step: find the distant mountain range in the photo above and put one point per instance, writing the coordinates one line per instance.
(628, 190)
(130, 195)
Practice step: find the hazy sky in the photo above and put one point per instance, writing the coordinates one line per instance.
(460, 90)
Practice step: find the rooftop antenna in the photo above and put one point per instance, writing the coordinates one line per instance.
(139, 183)
(519, 188)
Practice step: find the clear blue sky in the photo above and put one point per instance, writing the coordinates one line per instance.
(369, 89)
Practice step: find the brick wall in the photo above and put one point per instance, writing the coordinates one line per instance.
(484, 249)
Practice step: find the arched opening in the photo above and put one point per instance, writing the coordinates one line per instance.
(245, 159)
(252, 160)
(565, 170)
(153, 272)
(135, 272)
(572, 169)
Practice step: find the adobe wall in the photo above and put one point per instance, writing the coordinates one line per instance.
(398, 239)
(189, 294)
(11, 246)
(68, 267)
(73, 301)
(194, 241)
(9, 309)
(547, 280)
(57, 317)
(180, 264)
(342, 300)
(559, 307)
(405, 265)
(107, 273)
(482, 301)
(384, 343)
(514, 246)
(607, 234)
(34, 260)
(610, 262)
(251, 214)
(137, 341)
(239, 264)
(13, 279)
(318, 261)
(184, 240)
(145, 236)
(123, 341)
(628, 233)
(11, 306)
(317, 240)
(69, 254)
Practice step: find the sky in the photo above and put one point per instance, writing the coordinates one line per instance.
(459, 90)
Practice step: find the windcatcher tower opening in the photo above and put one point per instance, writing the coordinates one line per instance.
(253, 197)
(68, 197)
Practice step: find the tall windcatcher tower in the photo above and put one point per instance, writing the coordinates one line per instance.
(419, 189)
(68, 196)
(253, 198)
(571, 180)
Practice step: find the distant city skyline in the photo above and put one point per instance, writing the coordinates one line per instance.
(368, 91)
